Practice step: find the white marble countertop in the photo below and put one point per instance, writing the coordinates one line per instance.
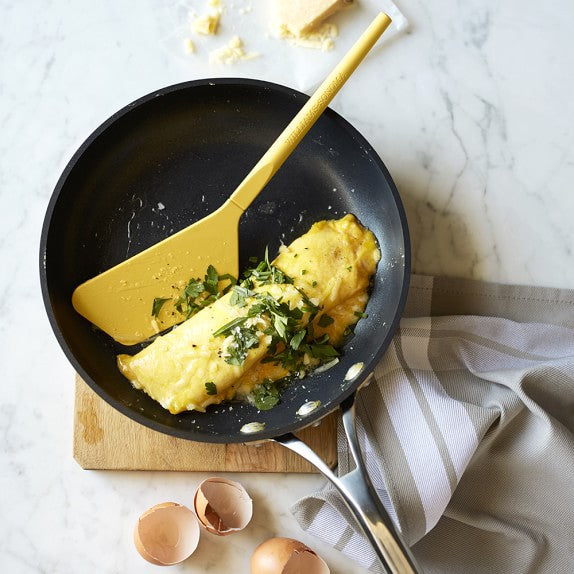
(472, 111)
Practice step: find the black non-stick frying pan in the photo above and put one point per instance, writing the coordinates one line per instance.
(174, 156)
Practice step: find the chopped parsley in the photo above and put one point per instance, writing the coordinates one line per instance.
(227, 329)
(239, 294)
(308, 306)
(292, 340)
(297, 339)
(211, 280)
(198, 294)
(323, 351)
(264, 273)
(243, 339)
(325, 320)
(267, 394)
(158, 303)
(210, 388)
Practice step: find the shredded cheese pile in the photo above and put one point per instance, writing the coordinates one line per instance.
(208, 25)
(231, 53)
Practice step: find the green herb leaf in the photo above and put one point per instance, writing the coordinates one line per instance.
(360, 314)
(239, 294)
(211, 280)
(265, 402)
(325, 320)
(308, 306)
(243, 340)
(266, 395)
(228, 277)
(322, 351)
(264, 273)
(198, 294)
(228, 327)
(297, 339)
(158, 303)
(210, 388)
(280, 324)
(295, 314)
(311, 331)
(194, 288)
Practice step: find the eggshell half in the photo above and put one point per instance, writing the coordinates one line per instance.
(222, 506)
(166, 534)
(286, 556)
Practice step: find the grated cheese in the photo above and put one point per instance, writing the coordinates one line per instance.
(189, 49)
(231, 53)
(206, 25)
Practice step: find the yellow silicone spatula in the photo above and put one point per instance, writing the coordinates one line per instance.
(120, 300)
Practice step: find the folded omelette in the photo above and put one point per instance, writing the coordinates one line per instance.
(267, 330)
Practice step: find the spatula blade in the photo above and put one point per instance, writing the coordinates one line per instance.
(120, 300)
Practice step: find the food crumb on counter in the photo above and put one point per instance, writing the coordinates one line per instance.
(206, 25)
(189, 46)
(231, 53)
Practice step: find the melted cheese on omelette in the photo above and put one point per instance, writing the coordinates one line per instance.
(331, 265)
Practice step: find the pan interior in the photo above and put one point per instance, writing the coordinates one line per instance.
(170, 159)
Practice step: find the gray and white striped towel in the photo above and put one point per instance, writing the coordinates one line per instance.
(468, 432)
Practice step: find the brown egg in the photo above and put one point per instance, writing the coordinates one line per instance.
(222, 506)
(166, 534)
(286, 556)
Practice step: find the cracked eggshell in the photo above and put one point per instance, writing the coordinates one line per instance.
(166, 534)
(286, 556)
(222, 506)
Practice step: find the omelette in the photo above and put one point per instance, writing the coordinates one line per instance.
(285, 319)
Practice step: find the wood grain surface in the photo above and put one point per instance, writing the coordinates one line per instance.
(106, 439)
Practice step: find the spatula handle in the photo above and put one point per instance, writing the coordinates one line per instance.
(272, 160)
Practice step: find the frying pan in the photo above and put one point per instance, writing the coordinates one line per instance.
(174, 156)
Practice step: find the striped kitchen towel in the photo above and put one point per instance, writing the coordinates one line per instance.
(468, 433)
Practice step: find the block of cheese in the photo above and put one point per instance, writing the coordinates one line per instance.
(300, 17)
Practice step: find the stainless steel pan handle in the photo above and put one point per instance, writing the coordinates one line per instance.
(360, 497)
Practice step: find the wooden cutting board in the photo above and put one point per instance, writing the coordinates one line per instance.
(106, 439)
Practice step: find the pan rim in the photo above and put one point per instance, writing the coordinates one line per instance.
(297, 424)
